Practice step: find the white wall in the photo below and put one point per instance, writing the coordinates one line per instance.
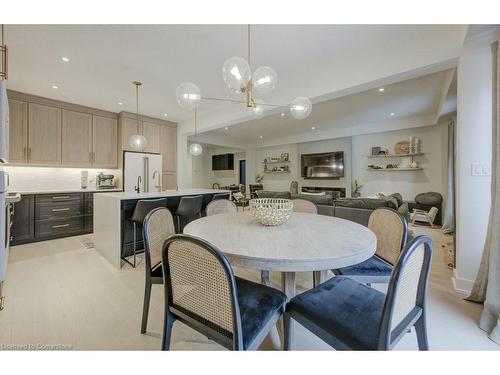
(202, 174)
(40, 178)
(474, 98)
(433, 141)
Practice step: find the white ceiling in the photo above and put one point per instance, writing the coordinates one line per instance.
(417, 100)
(311, 60)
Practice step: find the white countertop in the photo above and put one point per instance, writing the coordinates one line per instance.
(56, 191)
(168, 193)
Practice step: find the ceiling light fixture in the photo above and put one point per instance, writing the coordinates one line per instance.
(313, 127)
(195, 148)
(239, 80)
(137, 141)
(282, 114)
(391, 114)
(120, 103)
(260, 136)
(165, 114)
(64, 59)
(4, 60)
(55, 87)
(226, 128)
(381, 89)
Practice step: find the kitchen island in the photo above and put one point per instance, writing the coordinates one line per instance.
(113, 231)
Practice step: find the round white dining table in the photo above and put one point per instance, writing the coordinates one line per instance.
(306, 242)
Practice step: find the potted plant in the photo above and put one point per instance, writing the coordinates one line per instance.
(356, 189)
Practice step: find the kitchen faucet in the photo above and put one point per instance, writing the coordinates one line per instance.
(157, 186)
(138, 187)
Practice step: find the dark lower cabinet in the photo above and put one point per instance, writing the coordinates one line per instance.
(23, 221)
(47, 216)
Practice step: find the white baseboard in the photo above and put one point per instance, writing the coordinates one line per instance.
(460, 284)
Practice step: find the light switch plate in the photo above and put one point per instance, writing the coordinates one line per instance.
(480, 169)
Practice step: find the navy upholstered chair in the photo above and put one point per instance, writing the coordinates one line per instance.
(349, 315)
(158, 226)
(391, 230)
(202, 292)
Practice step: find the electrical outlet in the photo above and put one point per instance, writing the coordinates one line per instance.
(480, 169)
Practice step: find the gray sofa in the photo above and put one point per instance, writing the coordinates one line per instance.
(354, 209)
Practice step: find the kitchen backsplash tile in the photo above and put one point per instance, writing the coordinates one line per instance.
(43, 178)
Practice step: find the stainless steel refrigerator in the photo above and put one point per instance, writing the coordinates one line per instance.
(142, 171)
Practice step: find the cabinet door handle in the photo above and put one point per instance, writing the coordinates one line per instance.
(60, 226)
(61, 197)
(60, 209)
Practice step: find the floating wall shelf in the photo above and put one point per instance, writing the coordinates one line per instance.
(393, 156)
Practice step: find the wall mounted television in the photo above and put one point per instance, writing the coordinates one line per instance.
(325, 165)
(224, 162)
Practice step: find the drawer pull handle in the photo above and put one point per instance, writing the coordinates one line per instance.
(61, 197)
(60, 226)
(60, 209)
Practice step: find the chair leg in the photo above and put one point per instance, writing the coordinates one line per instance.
(167, 331)
(145, 308)
(135, 244)
(265, 279)
(421, 330)
(287, 337)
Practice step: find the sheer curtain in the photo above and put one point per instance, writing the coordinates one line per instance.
(487, 285)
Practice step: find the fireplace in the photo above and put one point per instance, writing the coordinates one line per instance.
(337, 192)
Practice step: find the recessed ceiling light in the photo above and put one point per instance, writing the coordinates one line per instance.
(313, 127)
(64, 59)
(381, 89)
(120, 103)
(392, 114)
(260, 136)
(226, 128)
(55, 87)
(282, 114)
(165, 114)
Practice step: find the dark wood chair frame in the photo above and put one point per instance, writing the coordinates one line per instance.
(387, 339)
(172, 313)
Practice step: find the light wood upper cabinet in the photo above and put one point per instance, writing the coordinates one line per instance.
(76, 139)
(44, 134)
(152, 134)
(105, 141)
(18, 131)
(169, 181)
(128, 129)
(168, 148)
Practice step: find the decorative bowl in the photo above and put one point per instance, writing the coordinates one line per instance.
(271, 211)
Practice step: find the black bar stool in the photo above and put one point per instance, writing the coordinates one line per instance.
(142, 209)
(221, 196)
(189, 207)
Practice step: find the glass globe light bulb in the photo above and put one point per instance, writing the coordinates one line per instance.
(264, 80)
(195, 149)
(138, 142)
(257, 111)
(188, 95)
(301, 108)
(236, 73)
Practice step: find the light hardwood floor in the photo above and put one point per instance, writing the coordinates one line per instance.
(59, 292)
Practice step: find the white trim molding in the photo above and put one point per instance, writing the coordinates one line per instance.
(461, 285)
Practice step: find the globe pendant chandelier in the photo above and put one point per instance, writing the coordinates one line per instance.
(240, 81)
(195, 148)
(137, 141)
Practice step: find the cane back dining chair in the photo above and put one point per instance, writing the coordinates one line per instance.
(349, 315)
(391, 230)
(202, 292)
(158, 226)
(142, 208)
(220, 206)
(302, 205)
